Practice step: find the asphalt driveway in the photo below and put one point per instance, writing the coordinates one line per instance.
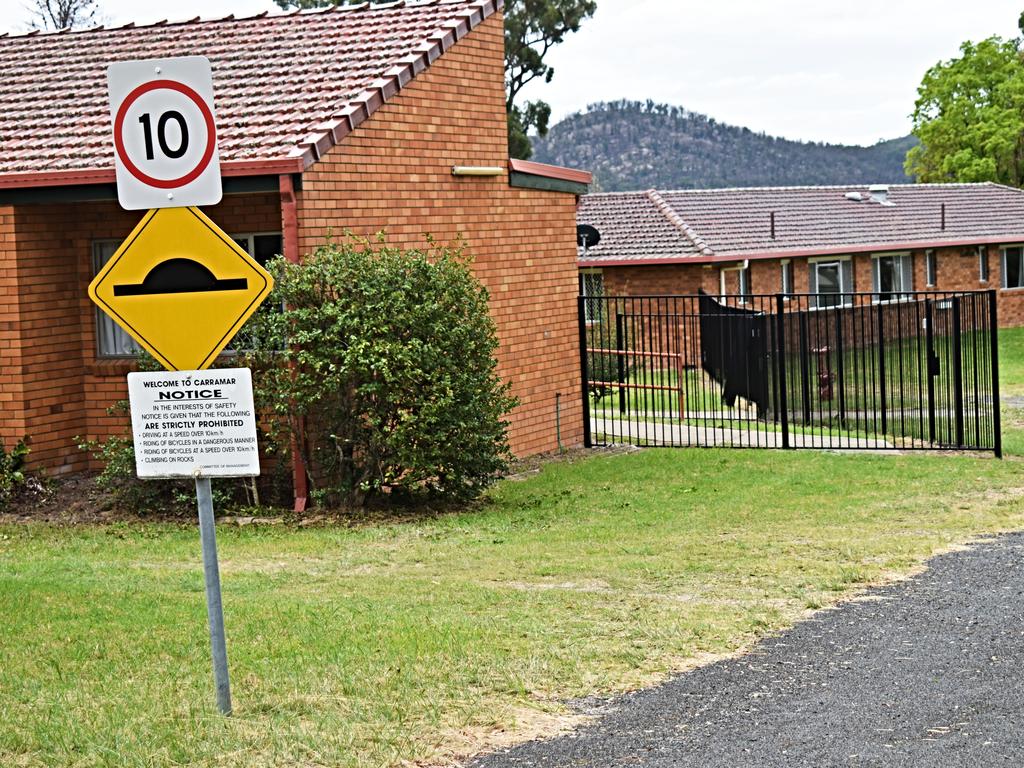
(928, 672)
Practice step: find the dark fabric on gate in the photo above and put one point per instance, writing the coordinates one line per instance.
(734, 351)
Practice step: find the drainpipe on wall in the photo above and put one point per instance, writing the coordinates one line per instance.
(290, 241)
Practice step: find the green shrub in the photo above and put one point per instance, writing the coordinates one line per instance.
(389, 362)
(13, 479)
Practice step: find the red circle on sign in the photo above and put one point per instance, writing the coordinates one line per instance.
(211, 134)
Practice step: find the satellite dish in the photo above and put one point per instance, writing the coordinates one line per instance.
(587, 236)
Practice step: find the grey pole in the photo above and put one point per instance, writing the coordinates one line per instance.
(214, 612)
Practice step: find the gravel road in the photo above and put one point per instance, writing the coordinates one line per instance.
(927, 672)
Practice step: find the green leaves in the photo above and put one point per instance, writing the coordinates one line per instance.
(532, 27)
(390, 362)
(969, 116)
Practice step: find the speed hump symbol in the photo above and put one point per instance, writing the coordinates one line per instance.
(165, 133)
(180, 287)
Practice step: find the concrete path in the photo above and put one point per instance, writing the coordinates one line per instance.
(742, 436)
(926, 673)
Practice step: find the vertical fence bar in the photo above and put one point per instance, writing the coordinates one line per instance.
(620, 361)
(780, 341)
(958, 374)
(882, 404)
(581, 314)
(993, 340)
(931, 369)
(840, 365)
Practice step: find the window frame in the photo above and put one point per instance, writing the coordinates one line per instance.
(786, 282)
(844, 290)
(588, 307)
(983, 271)
(1002, 267)
(904, 266)
(931, 268)
(743, 296)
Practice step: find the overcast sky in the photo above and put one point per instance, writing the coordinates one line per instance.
(824, 70)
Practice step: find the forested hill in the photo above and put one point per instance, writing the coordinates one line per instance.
(632, 145)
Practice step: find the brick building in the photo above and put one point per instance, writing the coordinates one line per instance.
(350, 118)
(816, 240)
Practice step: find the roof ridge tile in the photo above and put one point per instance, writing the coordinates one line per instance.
(669, 213)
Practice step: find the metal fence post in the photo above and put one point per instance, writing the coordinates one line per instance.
(958, 374)
(993, 337)
(933, 367)
(620, 359)
(882, 405)
(780, 341)
(581, 313)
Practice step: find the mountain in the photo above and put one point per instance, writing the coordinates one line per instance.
(638, 145)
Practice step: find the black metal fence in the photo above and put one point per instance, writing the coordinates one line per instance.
(846, 371)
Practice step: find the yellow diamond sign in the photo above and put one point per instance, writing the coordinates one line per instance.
(180, 287)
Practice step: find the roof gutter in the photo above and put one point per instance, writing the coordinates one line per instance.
(803, 252)
(107, 176)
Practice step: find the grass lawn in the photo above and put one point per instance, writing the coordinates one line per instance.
(384, 643)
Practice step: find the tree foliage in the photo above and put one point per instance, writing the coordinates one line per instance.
(532, 28)
(969, 117)
(387, 356)
(62, 14)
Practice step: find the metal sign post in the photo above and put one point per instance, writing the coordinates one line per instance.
(182, 289)
(214, 612)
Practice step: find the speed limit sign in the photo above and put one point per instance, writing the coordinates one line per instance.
(165, 134)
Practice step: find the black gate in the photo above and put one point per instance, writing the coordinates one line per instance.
(915, 371)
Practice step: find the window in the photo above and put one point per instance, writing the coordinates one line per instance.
(745, 293)
(787, 277)
(1013, 267)
(112, 340)
(829, 280)
(893, 276)
(983, 263)
(592, 288)
(742, 283)
(931, 272)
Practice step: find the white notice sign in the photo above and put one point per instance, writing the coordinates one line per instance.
(194, 423)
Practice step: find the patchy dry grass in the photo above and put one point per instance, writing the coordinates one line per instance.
(414, 642)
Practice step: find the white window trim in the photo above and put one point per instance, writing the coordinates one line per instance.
(843, 289)
(741, 267)
(876, 289)
(786, 290)
(1002, 267)
(931, 268)
(583, 292)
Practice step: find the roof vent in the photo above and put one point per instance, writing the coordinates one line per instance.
(880, 194)
(854, 196)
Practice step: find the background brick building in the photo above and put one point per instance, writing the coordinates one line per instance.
(816, 240)
(328, 120)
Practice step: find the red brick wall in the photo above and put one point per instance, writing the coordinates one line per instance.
(394, 173)
(12, 421)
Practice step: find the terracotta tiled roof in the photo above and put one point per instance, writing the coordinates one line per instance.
(722, 224)
(287, 86)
